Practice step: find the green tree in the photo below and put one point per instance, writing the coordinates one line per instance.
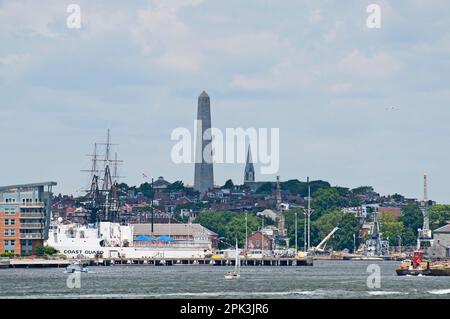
(343, 238)
(398, 198)
(439, 215)
(123, 186)
(175, 186)
(362, 190)
(391, 228)
(290, 226)
(146, 190)
(295, 187)
(45, 251)
(229, 225)
(326, 199)
(265, 188)
(228, 184)
(316, 186)
(412, 220)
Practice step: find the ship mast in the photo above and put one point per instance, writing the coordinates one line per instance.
(104, 203)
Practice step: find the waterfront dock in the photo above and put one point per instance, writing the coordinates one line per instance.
(207, 261)
(58, 263)
(38, 263)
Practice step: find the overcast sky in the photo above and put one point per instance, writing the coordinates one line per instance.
(310, 68)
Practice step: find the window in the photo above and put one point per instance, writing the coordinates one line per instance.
(10, 222)
(10, 232)
(10, 211)
(10, 242)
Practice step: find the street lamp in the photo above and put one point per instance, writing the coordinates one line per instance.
(246, 233)
(309, 215)
(304, 231)
(296, 239)
(400, 243)
(153, 198)
(354, 243)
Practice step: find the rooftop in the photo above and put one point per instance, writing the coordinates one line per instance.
(171, 229)
(443, 229)
(24, 186)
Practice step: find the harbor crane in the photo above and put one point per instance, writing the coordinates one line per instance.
(323, 243)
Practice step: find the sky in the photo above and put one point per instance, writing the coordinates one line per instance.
(354, 106)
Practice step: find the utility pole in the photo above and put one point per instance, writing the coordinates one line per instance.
(262, 240)
(296, 239)
(153, 196)
(304, 231)
(309, 216)
(246, 233)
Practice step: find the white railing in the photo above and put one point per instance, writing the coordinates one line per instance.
(32, 204)
(31, 225)
(30, 236)
(31, 215)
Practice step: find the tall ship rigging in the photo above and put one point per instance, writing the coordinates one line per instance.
(106, 235)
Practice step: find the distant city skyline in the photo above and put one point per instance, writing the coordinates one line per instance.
(354, 106)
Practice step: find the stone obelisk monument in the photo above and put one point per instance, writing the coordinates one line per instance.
(204, 176)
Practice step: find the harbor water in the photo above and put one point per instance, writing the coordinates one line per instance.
(326, 279)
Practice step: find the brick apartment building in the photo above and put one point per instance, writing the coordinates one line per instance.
(24, 216)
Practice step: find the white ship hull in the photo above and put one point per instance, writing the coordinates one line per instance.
(129, 252)
(111, 240)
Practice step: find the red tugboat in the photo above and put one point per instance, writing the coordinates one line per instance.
(415, 267)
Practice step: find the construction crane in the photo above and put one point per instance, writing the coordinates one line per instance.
(323, 243)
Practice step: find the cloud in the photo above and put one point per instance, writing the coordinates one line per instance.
(283, 76)
(14, 59)
(379, 65)
(430, 4)
(32, 17)
(332, 34)
(315, 17)
(249, 44)
(442, 46)
(162, 34)
(97, 21)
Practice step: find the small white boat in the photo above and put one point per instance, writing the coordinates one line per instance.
(237, 266)
(4, 262)
(76, 266)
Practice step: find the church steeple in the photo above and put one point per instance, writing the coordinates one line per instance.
(249, 174)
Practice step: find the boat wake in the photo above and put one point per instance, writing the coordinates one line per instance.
(386, 293)
(439, 292)
(243, 294)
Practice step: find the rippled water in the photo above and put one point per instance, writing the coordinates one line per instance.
(326, 279)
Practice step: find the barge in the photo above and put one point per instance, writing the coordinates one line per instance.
(417, 266)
